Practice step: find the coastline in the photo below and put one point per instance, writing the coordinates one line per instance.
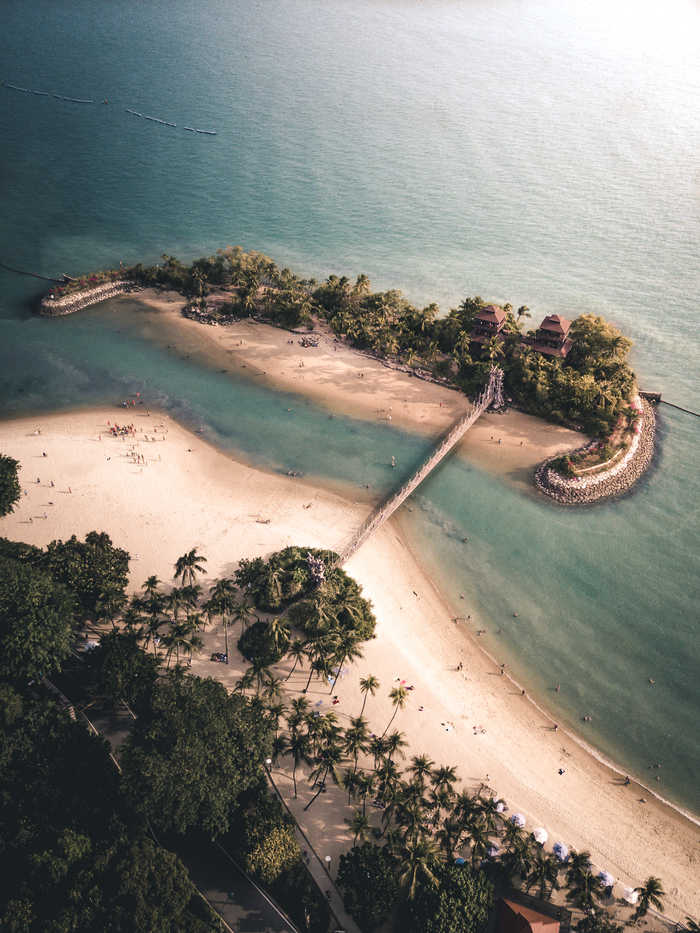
(202, 497)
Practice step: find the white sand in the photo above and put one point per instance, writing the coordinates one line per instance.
(205, 499)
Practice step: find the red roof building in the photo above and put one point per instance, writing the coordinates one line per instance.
(552, 337)
(515, 918)
(487, 324)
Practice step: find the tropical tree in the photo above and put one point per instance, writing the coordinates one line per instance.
(37, 621)
(517, 859)
(583, 889)
(297, 650)
(358, 826)
(193, 752)
(418, 861)
(356, 738)
(10, 490)
(421, 766)
(367, 876)
(544, 875)
(368, 685)
(222, 602)
(299, 748)
(399, 698)
(330, 765)
(189, 565)
(650, 894)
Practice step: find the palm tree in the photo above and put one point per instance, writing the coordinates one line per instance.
(399, 698)
(273, 688)
(579, 865)
(299, 649)
(417, 858)
(421, 766)
(365, 787)
(359, 825)
(650, 894)
(692, 925)
(222, 601)
(345, 649)
(333, 758)
(583, 889)
(368, 685)
(513, 836)
(299, 747)
(450, 837)
(517, 860)
(110, 601)
(243, 613)
(544, 874)
(189, 565)
(150, 587)
(476, 833)
(278, 629)
(356, 738)
(245, 682)
(394, 743)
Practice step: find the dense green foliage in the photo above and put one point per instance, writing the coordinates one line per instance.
(265, 838)
(119, 669)
(588, 388)
(192, 752)
(316, 607)
(368, 876)
(10, 490)
(71, 855)
(460, 903)
(94, 570)
(37, 621)
(258, 644)
(597, 922)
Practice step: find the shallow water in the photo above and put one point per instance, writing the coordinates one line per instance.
(536, 153)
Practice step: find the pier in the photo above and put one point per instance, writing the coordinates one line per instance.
(492, 393)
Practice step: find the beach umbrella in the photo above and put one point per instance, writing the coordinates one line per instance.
(91, 645)
(460, 861)
(606, 878)
(518, 819)
(630, 895)
(493, 850)
(540, 835)
(561, 851)
(500, 807)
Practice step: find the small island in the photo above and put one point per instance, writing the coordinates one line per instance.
(573, 373)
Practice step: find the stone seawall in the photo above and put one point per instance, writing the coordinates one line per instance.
(618, 479)
(68, 304)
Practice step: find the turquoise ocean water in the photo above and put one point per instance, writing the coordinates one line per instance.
(538, 153)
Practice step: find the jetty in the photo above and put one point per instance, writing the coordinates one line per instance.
(492, 394)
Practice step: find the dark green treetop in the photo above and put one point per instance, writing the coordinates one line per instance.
(37, 621)
(192, 752)
(367, 873)
(10, 490)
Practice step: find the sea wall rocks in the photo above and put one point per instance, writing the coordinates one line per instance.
(618, 479)
(68, 304)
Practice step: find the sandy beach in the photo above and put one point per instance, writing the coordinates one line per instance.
(348, 382)
(188, 494)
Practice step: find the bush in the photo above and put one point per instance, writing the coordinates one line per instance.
(257, 643)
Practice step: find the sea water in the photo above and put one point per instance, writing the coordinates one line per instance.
(539, 153)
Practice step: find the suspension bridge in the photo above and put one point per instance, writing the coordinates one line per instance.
(492, 394)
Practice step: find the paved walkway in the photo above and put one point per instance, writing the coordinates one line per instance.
(317, 868)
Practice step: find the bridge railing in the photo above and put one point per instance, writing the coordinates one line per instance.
(491, 392)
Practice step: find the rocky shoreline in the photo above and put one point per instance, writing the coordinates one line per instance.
(68, 304)
(613, 482)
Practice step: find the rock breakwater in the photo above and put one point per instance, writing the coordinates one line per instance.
(75, 301)
(618, 479)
